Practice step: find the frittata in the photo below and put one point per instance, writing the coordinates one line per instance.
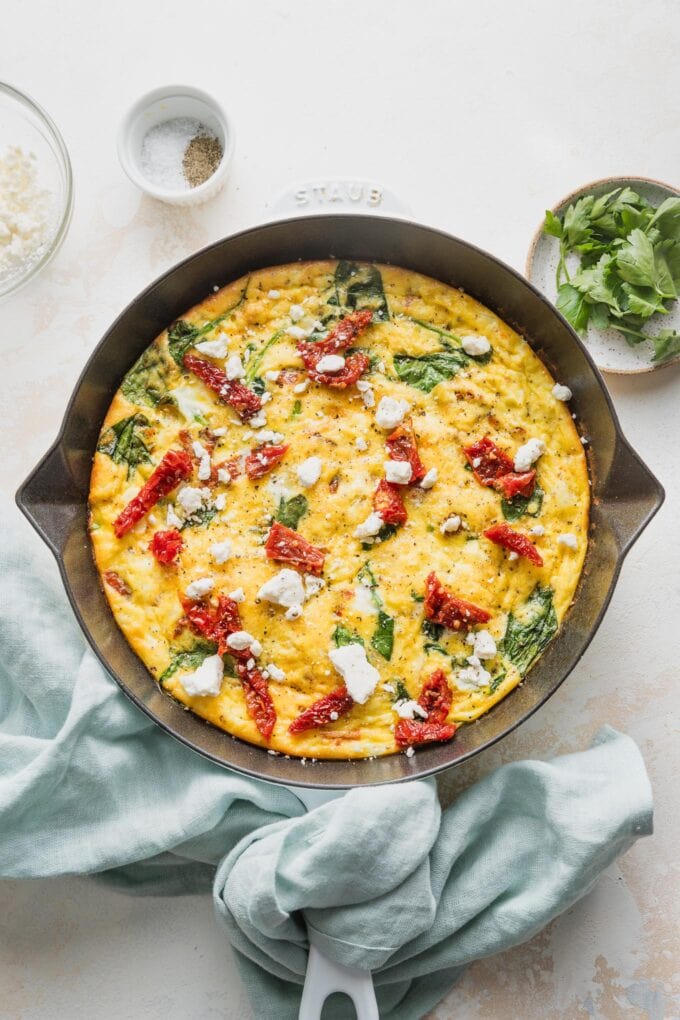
(339, 509)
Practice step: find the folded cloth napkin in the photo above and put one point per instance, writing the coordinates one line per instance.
(378, 879)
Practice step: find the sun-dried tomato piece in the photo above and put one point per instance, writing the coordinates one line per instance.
(402, 446)
(215, 623)
(234, 466)
(258, 699)
(116, 582)
(516, 484)
(488, 461)
(285, 545)
(288, 377)
(342, 335)
(493, 468)
(325, 710)
(263, 459)
(354, 367)
(245, 401)
(174, 468)
(442, 607)
(388, 503)
(514, 541)
(166, 545)
(436, 697)
(408, 732)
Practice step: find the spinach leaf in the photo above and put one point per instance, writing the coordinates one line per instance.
(123, 443)
(433, 646)
(495, 683)
(400, 690)
(257, 385)
(360, 286)
(432, 630)
(200, 519)
(297, 409)
(344, 636)
(385, 532)
(255, 363)
(425, 371)
(290, 511)
(383, 636)
(182, 334)
(146, 381)
(516, 507)
(192, 658)
(525, 639)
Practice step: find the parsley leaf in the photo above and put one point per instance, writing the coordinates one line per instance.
(666, 345)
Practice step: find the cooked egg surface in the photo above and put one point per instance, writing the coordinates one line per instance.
(335, 459)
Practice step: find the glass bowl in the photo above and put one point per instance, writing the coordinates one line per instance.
(24, 124)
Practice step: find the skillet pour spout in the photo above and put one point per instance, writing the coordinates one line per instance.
(625, 494)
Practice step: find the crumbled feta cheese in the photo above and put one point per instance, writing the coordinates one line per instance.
(584, 440)
(483, 644)
(272, 375)
(391, 412)
(367, 395)
(313, 585)
(199, 449)
(476, 461)
(214, 348)
(309, 471)
(171, 518)
(238, 595)
(221, 551)
(409, 709)
(528, 454)
(360, 677)
(234, 367)
(330, 363)
(275, 673)
(294, 613)
(429, 479)
(475, 345)
(361, 444)
(568, 539)
(512, 556)
(274, 294)
(399, 472)
(371, 526)
(301, 386)
(265, 398)
(561, 392)
(388, 687)
(409, 752)
(537, 530)
(284, 589)
(296, 332)
(450, 525)
(220, 501)
(241, 639)
(190, 499)
(472, 677)
(258, 421)
(333, 716)
(296, 312)
(200, 587)
(223, 476)
(204, 469)
(207, 679)
(221, 431)
(267, 436)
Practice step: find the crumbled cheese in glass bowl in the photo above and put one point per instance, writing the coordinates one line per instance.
(36, 189)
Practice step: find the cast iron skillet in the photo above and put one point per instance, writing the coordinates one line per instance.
(626, 495)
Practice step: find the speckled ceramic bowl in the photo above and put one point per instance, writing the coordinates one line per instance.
(609, 350)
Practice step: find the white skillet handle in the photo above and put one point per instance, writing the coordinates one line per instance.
(324, 976)
(337, 195)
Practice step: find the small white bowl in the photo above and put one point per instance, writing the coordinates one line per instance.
(164, 104)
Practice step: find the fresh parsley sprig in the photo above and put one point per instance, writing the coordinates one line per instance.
(629, 265)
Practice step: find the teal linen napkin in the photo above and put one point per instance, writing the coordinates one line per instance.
(378, 879)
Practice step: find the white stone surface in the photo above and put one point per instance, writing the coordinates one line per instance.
(487, 114)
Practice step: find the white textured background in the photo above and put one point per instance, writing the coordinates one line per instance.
(478, 115)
